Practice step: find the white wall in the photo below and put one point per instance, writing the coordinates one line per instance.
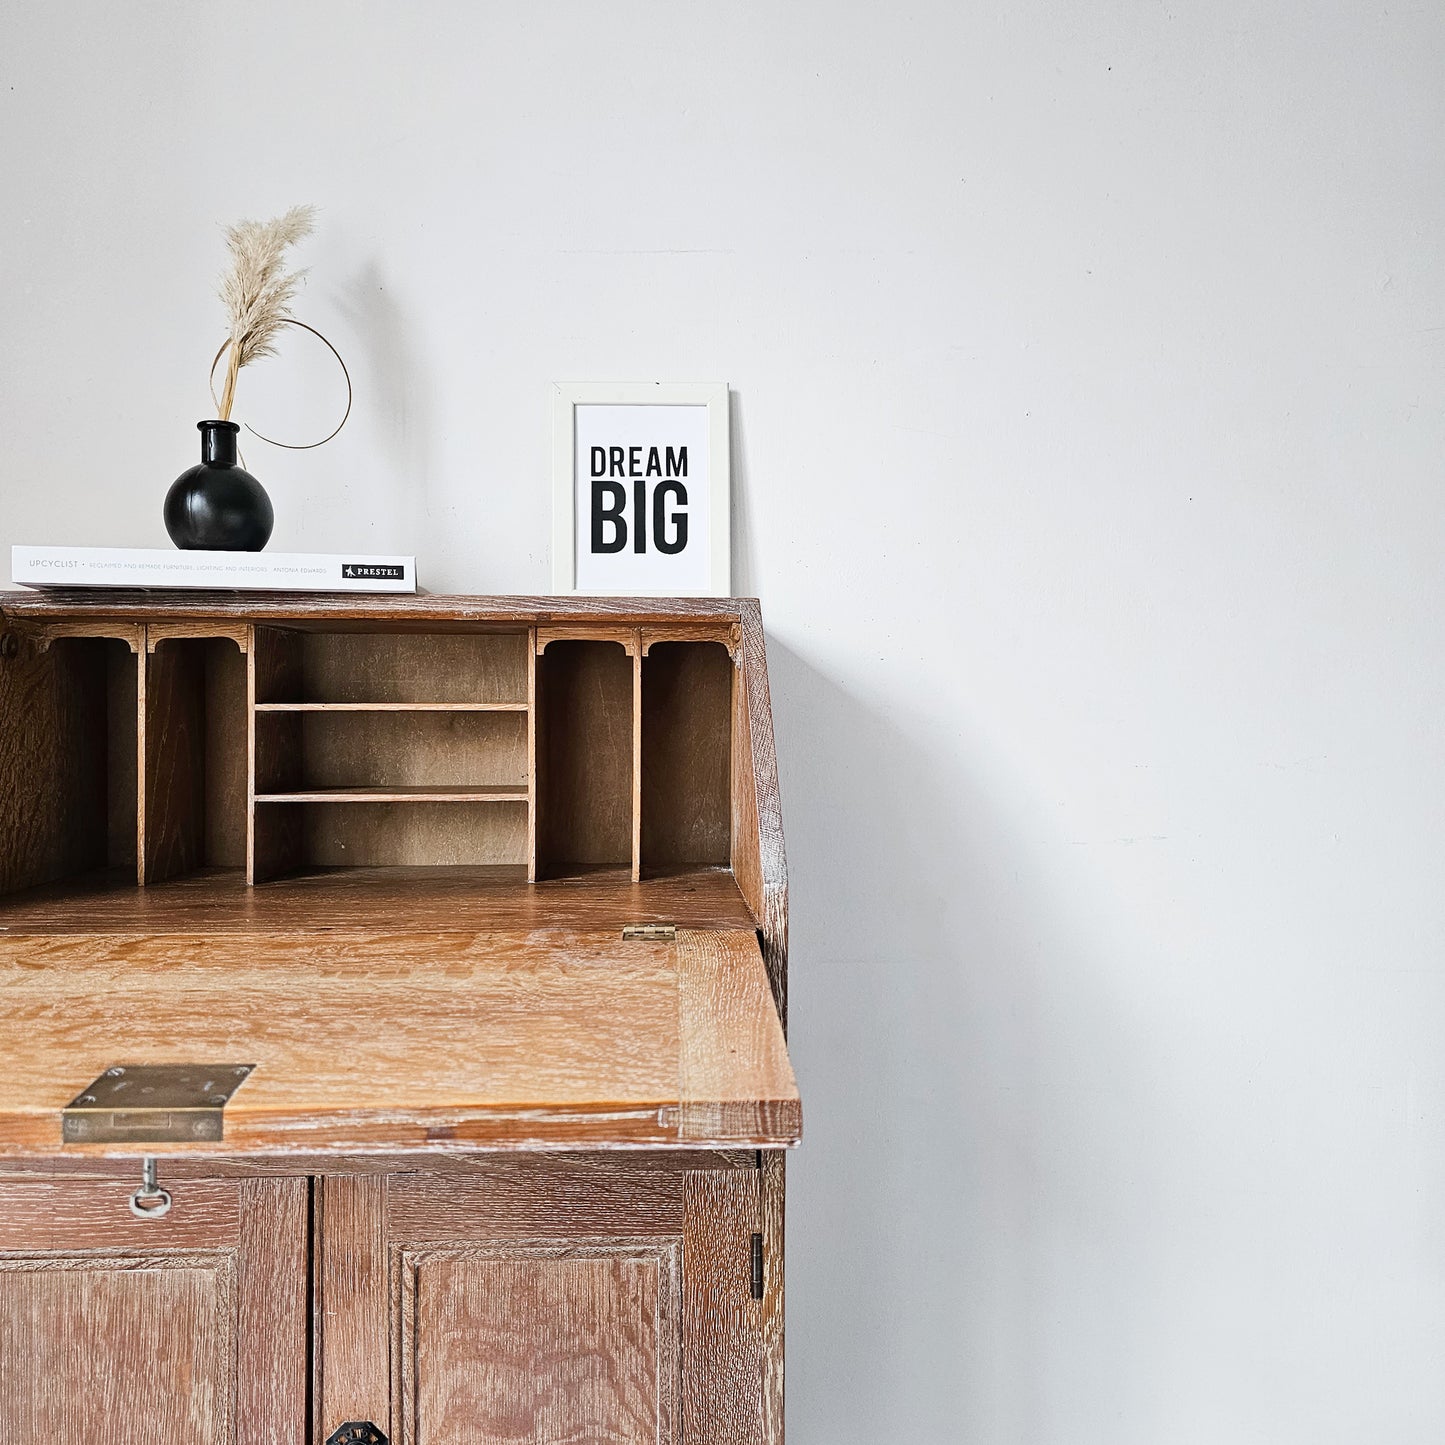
(1088, 434)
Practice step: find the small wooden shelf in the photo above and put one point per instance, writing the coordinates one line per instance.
(496, 793)
(613, 744)
(519, 707)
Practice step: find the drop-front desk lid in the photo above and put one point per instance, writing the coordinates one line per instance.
(504, 1037)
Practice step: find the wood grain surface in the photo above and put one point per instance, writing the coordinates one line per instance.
(532, 1196)
(391, 707)
(195, 742)
(624, 634)
(736, 1081)
(53, 749)
(371, 900)
(236, 631)
(745, 852)
(687, 695)
(122, 758)
(760, 862)
(104, 1350)
(276, 665)
(122, 1171)
(584, 786)
(397, 756)
(413, 830)
(729, 634)
(273, 744)
(273, 1261)
(532, 737)
(81, 1214)
(565, 1300)
(771, 910)
(89, 625)
(404, 668)
(276, 843)
(772, 1187)
(492, 1323)
(403, 793)
(330, 611)
(188, 1327)
(353, 1374)
(551, 1345)
(226, 735)
(279, 765)
(175, 760)
(722, 1398)
(407, 1040)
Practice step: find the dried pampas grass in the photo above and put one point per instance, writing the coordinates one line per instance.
(258, 289)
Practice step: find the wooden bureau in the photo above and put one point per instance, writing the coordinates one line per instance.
(472, 914)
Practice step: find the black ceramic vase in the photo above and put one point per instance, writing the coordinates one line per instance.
(217, 506)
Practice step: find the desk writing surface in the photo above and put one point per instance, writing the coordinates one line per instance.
(505, 1038)
(368, 900)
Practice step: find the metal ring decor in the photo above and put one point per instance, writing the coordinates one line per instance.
(292, 446)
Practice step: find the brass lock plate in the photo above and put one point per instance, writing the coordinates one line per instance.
(153, 1104)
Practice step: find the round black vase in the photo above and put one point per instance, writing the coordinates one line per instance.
(217, 506)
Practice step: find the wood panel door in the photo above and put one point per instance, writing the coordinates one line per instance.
(189, 1329)
(542, 1301)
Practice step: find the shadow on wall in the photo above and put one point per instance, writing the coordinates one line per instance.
(947, 1033)
(741, 520)
(399, 391)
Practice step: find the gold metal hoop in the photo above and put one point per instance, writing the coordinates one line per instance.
(291, 446)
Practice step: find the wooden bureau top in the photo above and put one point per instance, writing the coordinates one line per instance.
(423, 611)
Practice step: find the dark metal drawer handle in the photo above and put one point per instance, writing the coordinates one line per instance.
(356, 1432)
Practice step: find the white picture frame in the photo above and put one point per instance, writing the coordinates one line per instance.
(676, 426)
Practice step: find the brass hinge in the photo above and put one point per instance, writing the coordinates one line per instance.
(650, 932)
(153, 1104)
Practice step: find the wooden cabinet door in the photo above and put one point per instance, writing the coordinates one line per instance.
(542, 1301)
(189, 1329)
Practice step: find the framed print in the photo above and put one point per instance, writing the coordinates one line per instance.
(641, 501)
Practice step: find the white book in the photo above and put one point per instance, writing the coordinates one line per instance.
(238, 571)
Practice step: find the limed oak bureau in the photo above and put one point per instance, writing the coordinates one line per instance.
(391, 1021)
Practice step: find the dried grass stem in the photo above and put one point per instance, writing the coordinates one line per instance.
(257, 289)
